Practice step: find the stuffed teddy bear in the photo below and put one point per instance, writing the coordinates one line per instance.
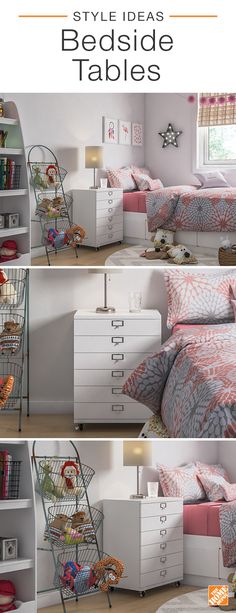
(69, 474)
(7, 596)
(78, 519)
(8, 251)
(11, 328)
(163, 239)
(181, 255)
(59, 522)
(7, 291)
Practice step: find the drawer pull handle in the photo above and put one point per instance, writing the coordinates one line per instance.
(117, 340)
(110, 210)
(118, 408)
(163, 559)
(118, 374)
(110, 193)
(110, 217)
(163, 519)
(117, 356)
(110, 226)
(110, 201)
(110, 235)
(117, 390)
(163, 545)
(117, 323)
(163, 505)
(163, 573)
(163, 532)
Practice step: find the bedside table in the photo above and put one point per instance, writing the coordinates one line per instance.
(100, 213)
(147, 535)
(107, 347)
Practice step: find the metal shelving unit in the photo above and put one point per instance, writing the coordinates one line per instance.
(85, 551)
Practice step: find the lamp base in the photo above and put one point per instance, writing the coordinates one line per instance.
(137, 496)
(105, 309)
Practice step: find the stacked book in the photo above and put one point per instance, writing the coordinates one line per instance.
(9, 173)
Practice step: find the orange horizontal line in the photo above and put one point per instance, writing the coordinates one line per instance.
(194, 16)
(41, 16)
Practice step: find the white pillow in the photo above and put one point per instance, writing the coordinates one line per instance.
(212, 179)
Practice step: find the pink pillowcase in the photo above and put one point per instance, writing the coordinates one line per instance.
(215, 481)
(199, 297)
(182, 482)
(122, 178)
(144, 182)
(136, 170)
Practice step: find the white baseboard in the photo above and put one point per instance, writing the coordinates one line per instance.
(48, 599)
(58, 407)
(198, 581)
(37, 251)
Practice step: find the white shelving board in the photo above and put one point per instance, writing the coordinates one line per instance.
(10, 566)
(16, 200)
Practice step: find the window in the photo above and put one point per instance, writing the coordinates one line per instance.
(217, 145)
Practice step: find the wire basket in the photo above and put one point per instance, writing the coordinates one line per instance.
(11, 333)
(53, 207)
(54, 234)
(226, 257)
(9, 477)
(47, 176)
(14, 369)
(73, 524)
(77, 582)
(52, 484)
(13, 291)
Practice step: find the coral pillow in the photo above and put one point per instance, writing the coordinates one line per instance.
(212, 179)
(182, 482)
(144, 182)
(199, 297)
(122, 178)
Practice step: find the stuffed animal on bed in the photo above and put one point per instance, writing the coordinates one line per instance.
(181, 255)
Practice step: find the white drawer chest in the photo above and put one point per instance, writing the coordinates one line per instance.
(100, 213)
(147, 535)
(107, 347)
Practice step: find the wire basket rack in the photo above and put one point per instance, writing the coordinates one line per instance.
(14, 369)
(52, 485)
(70, 578)
(11, 333)
(13, 291)
(9, 478)
(53, 207)
(73, 524)
(47, 176)
(53, 236)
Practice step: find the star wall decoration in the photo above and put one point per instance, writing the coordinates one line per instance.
(170, 136)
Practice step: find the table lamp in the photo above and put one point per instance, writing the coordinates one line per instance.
(137, 453)
(94, 159)
(106, 272)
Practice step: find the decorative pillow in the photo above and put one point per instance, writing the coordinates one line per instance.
(211, 469)
(122, 177)
(212, 179)
(233, 302)
(136, 170)
(199, 297)
(144, 182)
(216, 487)
(181, 481)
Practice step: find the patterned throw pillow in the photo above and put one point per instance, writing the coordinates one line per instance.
(144, 182)
(122, 178)
(199, 297)
(136, 170)
(181, 482)
(213, 478)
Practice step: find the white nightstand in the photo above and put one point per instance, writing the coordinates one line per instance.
(107, 347)
(100, 213)
(147, 535)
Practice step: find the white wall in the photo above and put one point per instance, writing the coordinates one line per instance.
(174, 166)
(112, 479)
(54, 296)
(226, 456)
(68, 122)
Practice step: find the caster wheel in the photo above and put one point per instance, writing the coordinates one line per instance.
(177, 584)
(112, 589)
(97, 248)
(142, 594)
(79, 427)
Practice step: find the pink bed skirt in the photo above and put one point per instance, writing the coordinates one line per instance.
(186, 327)
(202, 519)
(135, 202)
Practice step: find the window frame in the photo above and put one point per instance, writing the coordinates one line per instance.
(202, 152)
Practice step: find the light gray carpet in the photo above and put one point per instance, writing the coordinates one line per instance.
(193, 601)
(131, 257)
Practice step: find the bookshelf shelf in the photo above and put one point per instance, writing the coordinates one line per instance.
(19, 201)
(19, 503)
(10, 566)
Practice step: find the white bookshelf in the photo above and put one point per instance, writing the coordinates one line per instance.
(17, 520)
(16, 200)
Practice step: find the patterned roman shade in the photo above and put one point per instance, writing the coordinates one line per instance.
(217, 109)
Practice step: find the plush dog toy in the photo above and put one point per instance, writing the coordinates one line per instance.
(11, 328)
(163, 239)
(181, 255)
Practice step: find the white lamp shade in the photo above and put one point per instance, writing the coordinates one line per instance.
(137, 453)
(93, 157)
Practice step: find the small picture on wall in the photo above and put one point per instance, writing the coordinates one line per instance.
(110, 130)
(137, 134)
(124, 132)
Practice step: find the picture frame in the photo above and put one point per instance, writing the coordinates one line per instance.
(110, 131)
(137, 134)
(124, 132)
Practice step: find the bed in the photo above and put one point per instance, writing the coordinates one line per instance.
(196, 215)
